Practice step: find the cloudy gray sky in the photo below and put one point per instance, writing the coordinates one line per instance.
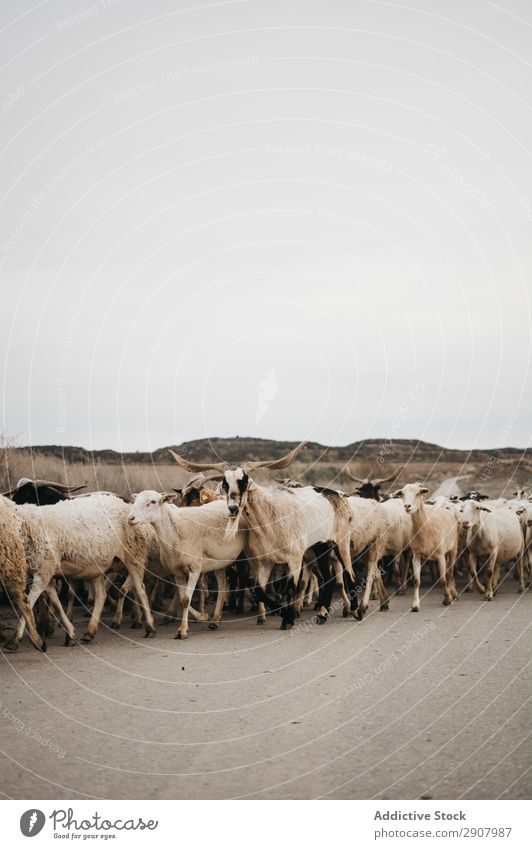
(266, 218)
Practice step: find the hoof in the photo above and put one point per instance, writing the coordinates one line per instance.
(359, 614)
(149, 632)
(180, 636)
(385, 606)
(446, 602)
(70, 641)
(261, 621)
(414, 609)
(345, 613)
(136, 625)
(115, 626)
(11, 645)
(287, 626)
(44, 647)
(488, 598)
(87, 638)
(213, 626)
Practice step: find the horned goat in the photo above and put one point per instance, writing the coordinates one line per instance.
(281, 524)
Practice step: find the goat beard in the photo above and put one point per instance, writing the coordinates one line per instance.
(231, 528)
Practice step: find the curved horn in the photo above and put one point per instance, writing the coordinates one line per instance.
(197, 467)
(201, 480)
(350, 474)
(392, 477)
(282, 463)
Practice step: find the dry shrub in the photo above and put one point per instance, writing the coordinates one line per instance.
(16, 463)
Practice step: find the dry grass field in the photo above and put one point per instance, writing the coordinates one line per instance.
(498, 474)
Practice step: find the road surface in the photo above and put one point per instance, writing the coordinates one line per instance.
(402, 705)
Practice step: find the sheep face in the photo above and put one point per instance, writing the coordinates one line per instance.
(235, 485)
(470, 513)
(147, 506)
(412, 495)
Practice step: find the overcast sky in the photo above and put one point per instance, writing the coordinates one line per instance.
(266, 218)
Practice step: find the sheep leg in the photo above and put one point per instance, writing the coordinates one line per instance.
(100, 594)
(490, 575)
(372, 575)
(119, 611)
(322, 552)
(17, 596)
(261, 575)
(442, 568)
(199, 617)
(70, 603)
(242, 572)
(404, 565)
(221, 578)
(397, 572)
(203, 592)
(384, 598)
(302, 589)
(473, 574)
(312, 590)
(416, 566)
(186, 596)
(520, 566)
(140, 590)
(170, 615)
(288, 611)
(342, 550)
(57, 608)
(37, 587)
(339, 580)
(450, 561)
(171, 612)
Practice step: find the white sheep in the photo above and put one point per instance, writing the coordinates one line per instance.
(192, 541)
(14, 571)
(82, 538)
(494, 534)
(434, 537)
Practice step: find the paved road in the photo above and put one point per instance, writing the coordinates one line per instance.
(400, 706)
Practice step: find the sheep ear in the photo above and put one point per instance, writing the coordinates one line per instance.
(134, 495)
(168, 496)
(424, 490)
(486, 509)
(397, 494)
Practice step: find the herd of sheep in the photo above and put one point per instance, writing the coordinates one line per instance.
(280, 546)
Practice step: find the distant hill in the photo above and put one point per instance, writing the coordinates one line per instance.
(236, 449)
